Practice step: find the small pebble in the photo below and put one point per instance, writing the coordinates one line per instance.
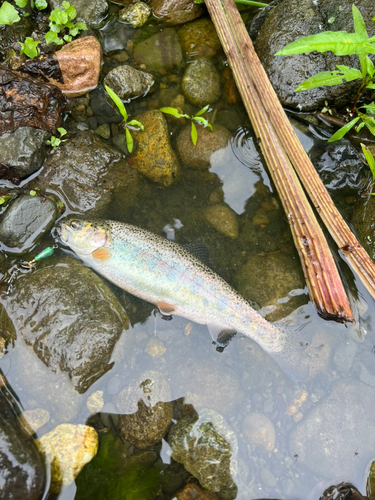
(155, 348)
(95, 402)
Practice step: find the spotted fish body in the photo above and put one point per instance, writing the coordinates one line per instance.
(164, 273)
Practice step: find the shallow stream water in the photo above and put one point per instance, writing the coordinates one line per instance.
(289, 440)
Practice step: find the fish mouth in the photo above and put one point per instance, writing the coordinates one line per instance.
(57, 233)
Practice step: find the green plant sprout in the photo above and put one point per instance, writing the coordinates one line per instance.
(61, 25)
(39, 4)
(342, 43)
(249, 3)
(133, 123)
(56, 141)
(9, 16)
(29, 47)
(198, 118)
(371, 163)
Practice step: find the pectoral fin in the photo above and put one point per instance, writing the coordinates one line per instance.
(220, 335)
(166, 309)
(101, 254)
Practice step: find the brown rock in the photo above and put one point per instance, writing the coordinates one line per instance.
(174, 12)
(199, 39)
(223, 219)
(80, 62)
(193, 492)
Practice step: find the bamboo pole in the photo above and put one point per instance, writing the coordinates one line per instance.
(227, 20)
(323, 281)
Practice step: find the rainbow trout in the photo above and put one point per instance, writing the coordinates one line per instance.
(166, 274)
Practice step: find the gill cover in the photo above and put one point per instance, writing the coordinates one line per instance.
(83, 237)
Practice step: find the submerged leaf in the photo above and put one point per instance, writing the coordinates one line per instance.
(369, 158)
(115, 98)
(343, 130)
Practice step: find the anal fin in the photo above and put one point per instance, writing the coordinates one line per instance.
(166, 309)
(221, 336)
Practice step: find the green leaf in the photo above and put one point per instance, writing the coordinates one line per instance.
(129, 140)
(136, 123)
(115, 98)
(329, 78)
(359, 127)
(371, 107)
(8, 14)
(81, 26)
(203, 110)
(41, 4)
(359, 24)
(340, 43)
(67, 38)
(50, 37)
(369, 158)
(73, 31)
(65, 5)
(370, 85)
(173, 112)
(62, 131)
(29, 47)
(343, 130)
(194, 133)
(21, 3)
(71, 12)
(369, 122)
(369, 66)
(201, 120)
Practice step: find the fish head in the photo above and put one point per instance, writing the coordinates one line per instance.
(83, 236)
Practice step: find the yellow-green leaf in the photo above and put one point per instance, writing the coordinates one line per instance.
(115, 98)
(343, 130)
(194, 133)
(129, 140)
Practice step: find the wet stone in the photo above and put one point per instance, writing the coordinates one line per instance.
(103, 111)
(104, 131)
(21, 466)
(344, 355)
(364, 224)
(309, 17)
(174, 12)
(162, 50)
(73, 319)
(259, 430)
(201, 83)
(128, 82)
(223, 219)
(210, 150)
(154, 156)
(155, 348)
(205, 453)
(26, 220)
(199, 39)
(24, 149)
(136, 14)
(193, 492)
(36, 418)
(68, 448)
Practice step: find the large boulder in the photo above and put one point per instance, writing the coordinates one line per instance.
(174, 12)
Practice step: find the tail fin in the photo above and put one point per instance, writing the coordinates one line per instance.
(291, 359)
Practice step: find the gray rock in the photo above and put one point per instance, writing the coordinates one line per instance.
(162, 50)
(103, 111)
(73, 319)
(136, 14)
(330, 434)
(25, 149)
(149, 410)
(201, 83)
(21, 466)
(344, 355)
(309, 17)
(259, 430)
(86, 172)
(364, 224)
(25, 222)
(128, 82)
(91, 12)
(205, 453)
(259, 19)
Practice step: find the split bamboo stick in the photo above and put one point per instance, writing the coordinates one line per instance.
(227, 20)
(323, 281)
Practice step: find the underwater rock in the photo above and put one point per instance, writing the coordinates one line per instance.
(259, 430)
(174, 12)
(271, 277)
(344, 355)
(363, 221)
(68, 448)
(103, 131)
(91, 12)
(102, 110)
(193, 492)
(202, 446)
(211, 148)
(154, 156)
(201, 83)
(36, 418)
(22, 472)
(148, 410)
(136, 14)
(223, 219)
(199, 39)
(95, 402)
(87, 172)
(80, 63)
(128, 82)
(160, 51)
(26, 220)
(327, 438)
(309, 17)
(25, 149)
(73, 319)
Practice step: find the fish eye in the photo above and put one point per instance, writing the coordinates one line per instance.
(75, 224)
